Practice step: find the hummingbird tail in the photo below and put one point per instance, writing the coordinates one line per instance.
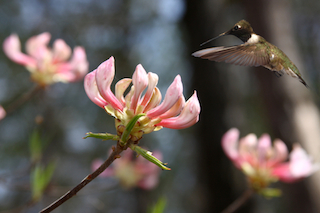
(302, 81)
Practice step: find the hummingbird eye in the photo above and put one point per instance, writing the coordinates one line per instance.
(237, 27)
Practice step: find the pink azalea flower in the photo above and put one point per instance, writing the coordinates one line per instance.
(48, 66)
(2, 113)
(132, 171)
(263, 163)
(172, 113)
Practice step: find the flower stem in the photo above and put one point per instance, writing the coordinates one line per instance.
(24, 98)
(239, 201)
(116, 151)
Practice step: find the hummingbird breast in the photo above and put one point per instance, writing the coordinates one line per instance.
(254, 38)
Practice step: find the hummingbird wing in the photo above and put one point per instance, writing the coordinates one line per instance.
(244, 55)
(254, 54)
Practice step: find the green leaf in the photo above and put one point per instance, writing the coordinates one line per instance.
(103, 136)
(148, 155)
(159, 206)
(40, 179)
(35, 146)
(129, 127)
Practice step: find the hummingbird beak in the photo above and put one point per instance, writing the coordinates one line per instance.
(222, 34)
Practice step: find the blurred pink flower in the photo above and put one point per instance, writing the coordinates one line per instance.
(2, 113)
(48, 66)
(132, 171)
(172, 113)
(263, 163)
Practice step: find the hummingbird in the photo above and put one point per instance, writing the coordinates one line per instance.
(255, 51)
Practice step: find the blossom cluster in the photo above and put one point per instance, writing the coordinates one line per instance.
(132, 171)
(48, 66)
(263, 163)
(174, 112)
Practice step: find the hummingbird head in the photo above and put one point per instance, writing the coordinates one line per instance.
(242, 30)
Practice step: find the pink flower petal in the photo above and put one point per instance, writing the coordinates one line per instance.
(120, 88)
(61, 51)
(79, 65)
(299, 166)
(188, 116)
(152, 83)
(91, 89)
(264, 148)
(148, 171)
(173, 123)
(12, 48)
(128, 97)
(149, 182)
(2, 113)
(281, 151)
(248, 150)
(37, 43)
(154, 101)
(104, 77)
(230, 144)
(140, 82)
(172, 96)
(64, 74)
(248, 145)
(175, 110)
(300, 163)
(282, 171)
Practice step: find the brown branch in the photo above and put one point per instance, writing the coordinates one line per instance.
(238, 202)
(24, 98)
(86, 180)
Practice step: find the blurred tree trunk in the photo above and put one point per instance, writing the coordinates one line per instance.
(292, 112)
(209, 82)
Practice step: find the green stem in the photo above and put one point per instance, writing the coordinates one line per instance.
(114, 155)
(125, 135)
(239, 201)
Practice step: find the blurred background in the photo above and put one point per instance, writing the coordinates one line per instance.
(161, 35)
